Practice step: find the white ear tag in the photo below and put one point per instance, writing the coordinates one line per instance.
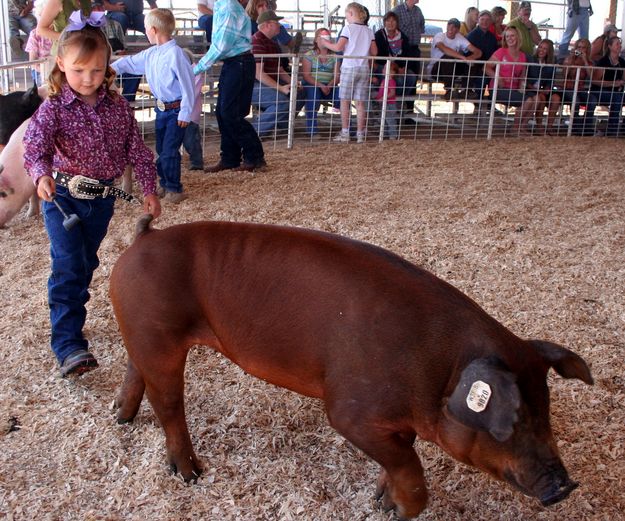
(478, 396)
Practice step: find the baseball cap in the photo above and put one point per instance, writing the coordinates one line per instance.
(610, 27)
(268, 16)
(485, 12)
(454, 21)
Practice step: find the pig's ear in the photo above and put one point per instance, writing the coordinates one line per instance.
(565, 362)
(486, 398)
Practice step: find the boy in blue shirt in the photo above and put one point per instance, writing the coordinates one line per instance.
(170, 77)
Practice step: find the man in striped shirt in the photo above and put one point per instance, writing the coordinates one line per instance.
(241, 148)
(412, 24)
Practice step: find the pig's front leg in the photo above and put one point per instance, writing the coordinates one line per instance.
(401, 485)
(33, 205)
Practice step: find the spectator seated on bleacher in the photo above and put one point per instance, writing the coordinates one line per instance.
(540, 89)
(388, 85)
(22, 19)
(579, 60)
(129, 13)
(287, 42)
(482, 38)
(607, 84)
(470, 20)
(272, 86)
(392, 42)
(512, 72)
(320, 70)
(451, 45)
(498, 27)
(205, 17)
(599, 44)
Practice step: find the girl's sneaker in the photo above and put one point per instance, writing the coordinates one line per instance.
(342, 137)
(360, 137)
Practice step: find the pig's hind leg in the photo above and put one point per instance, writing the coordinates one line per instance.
(156, 364)
(401, 485)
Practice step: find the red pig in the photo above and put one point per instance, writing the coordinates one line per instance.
(393, 351)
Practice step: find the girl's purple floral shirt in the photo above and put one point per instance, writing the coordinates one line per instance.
(69, 135)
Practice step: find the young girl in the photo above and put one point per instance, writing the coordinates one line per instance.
(83, 128)
(390, 121)
(37, 48)
(356, 39)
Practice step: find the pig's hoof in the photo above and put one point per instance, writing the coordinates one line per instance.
(189, 477)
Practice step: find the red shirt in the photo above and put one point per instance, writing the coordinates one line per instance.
(263, 45)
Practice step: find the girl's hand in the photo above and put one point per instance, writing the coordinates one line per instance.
(152, 204)
(46, 188)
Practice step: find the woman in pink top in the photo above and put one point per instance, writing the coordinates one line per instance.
(512, 71)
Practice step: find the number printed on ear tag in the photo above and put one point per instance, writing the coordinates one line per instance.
(478, 396)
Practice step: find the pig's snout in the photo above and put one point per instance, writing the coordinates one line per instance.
(551, 487)
(559, 491)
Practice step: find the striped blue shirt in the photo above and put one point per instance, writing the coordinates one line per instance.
(232, 34)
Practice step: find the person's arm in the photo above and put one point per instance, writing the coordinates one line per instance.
(490, 67)
(27, 8)
(49, 12)
(598, 79)
(476, 53)
(448, 51)
(204, 9)
(307, 73)
(152, 4)
(284, 76)
(119, 6)
(268, 81)
(134, 64)
(338, 46)
(184, 73)
(534, 34)
(596, 50)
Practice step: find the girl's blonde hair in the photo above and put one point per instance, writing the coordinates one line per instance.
(467, 17)
(163, 20)
(358, 9)
(88, 40)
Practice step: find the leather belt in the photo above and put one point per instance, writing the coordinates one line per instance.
(82, 187)
(163, 106)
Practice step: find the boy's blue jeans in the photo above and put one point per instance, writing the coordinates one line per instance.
(169, 136)
(74, 255)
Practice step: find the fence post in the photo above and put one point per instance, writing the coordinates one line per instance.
(574, 103)
(493, 94)
(293, 101)
(385, 86)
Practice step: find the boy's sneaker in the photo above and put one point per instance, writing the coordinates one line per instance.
(360, 138)
(342, 137)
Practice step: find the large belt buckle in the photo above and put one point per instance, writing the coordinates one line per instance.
(77, 189)
(160, 105)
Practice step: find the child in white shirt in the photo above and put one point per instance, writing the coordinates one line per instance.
(356, 39)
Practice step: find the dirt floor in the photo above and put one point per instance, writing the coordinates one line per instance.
(533, 230)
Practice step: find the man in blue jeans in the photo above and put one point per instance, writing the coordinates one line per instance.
(578, 19)
(241, 148)
(272, 87)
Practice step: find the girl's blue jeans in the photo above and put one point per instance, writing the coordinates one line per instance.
(74, 256)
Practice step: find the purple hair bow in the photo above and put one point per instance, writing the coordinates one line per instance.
(78, 21)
